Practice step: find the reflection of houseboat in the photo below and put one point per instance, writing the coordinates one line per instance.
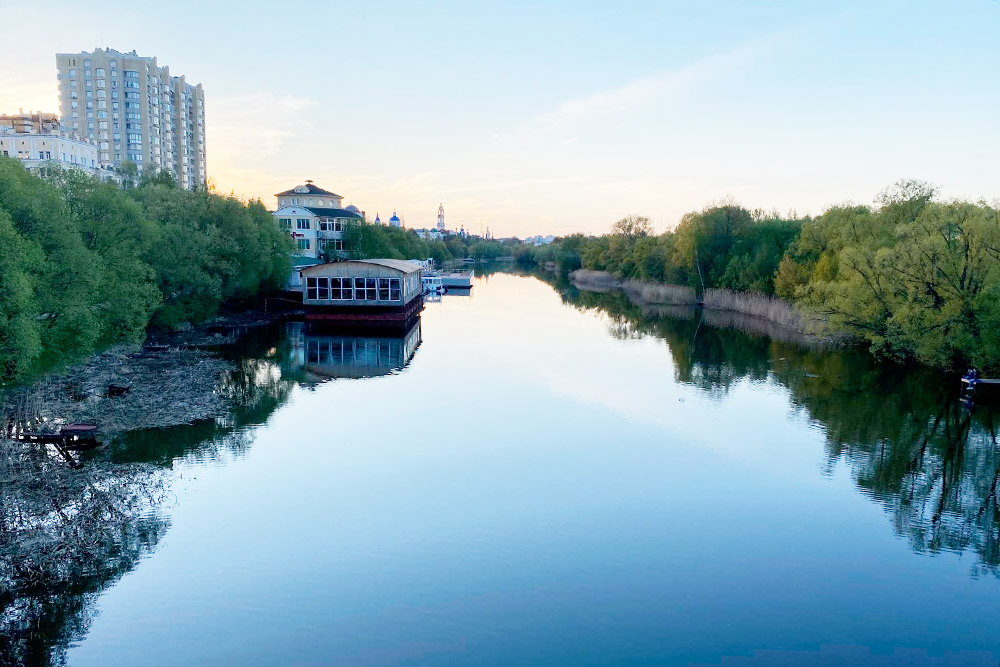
(363, 292)
(325, 354)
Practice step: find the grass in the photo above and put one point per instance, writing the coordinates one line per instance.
(755, 304)
(674, 295)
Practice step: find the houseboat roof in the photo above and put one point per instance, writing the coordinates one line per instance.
(402, 265)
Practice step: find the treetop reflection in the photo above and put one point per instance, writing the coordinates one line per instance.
(908, 441)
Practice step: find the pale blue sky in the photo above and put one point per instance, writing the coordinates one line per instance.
(560, 116)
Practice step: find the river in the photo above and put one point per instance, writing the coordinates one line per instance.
(538, 476)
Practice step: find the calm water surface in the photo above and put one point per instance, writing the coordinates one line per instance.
(559, 480)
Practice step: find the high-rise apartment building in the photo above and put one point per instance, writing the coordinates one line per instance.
(135, 111)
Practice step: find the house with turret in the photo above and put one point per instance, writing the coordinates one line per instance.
(315, 219)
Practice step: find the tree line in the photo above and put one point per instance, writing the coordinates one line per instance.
(913, 277)
(364, 240)
(86, 264)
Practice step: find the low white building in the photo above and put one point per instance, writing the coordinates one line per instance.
(313, 217)
(38, 150)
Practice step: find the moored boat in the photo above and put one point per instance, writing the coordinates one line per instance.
(461, 278)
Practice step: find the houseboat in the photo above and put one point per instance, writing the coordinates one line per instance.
(377, 292)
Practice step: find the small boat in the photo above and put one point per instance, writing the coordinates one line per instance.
(460, 278)
(982, 388)
(433, 284)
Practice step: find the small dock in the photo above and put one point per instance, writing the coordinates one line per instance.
(70, 438)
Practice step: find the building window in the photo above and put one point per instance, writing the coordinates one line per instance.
(328, 225)
(285, 223)
(318, 289)
(302, 223)
(341, 289)
(303, 244)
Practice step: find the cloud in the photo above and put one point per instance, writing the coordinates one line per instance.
(636, 94)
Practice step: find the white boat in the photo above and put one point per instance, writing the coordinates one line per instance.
(433, 284)
(458, 279)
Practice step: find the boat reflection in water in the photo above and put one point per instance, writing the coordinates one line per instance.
(325, 353)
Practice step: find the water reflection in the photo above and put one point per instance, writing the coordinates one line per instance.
(910, 444)
(324, 354)
(65, 539)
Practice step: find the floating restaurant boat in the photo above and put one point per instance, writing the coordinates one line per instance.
(377, 292)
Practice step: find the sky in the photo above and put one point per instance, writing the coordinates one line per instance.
(555, 117)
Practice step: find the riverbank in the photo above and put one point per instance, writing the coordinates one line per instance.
(170, 379)
(770, 309)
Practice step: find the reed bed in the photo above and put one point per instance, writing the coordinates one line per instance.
(602, 280)
(751, 304)
(638, 290)
(755, 304)
(674, 295)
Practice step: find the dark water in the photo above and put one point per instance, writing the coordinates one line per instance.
(536, 478)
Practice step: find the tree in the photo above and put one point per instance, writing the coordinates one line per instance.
(632, 227)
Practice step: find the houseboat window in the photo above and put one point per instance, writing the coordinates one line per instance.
(383, 289)
(323, 289)
(366, 289)
(302, 223)
(341, 289)
(394, 292)
(310, 288)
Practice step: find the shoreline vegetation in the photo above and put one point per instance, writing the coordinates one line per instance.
(752, 304)
(911, 278)
(87, 265)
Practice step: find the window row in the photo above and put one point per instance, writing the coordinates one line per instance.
(328, 225)
(353, 289)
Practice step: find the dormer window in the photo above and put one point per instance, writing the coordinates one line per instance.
(301, 189)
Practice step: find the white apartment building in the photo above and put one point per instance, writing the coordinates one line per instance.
(135, 111)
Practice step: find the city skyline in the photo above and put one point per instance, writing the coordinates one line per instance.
(564, 118)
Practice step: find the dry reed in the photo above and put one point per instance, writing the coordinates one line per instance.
(674, 295)
(755, 304)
